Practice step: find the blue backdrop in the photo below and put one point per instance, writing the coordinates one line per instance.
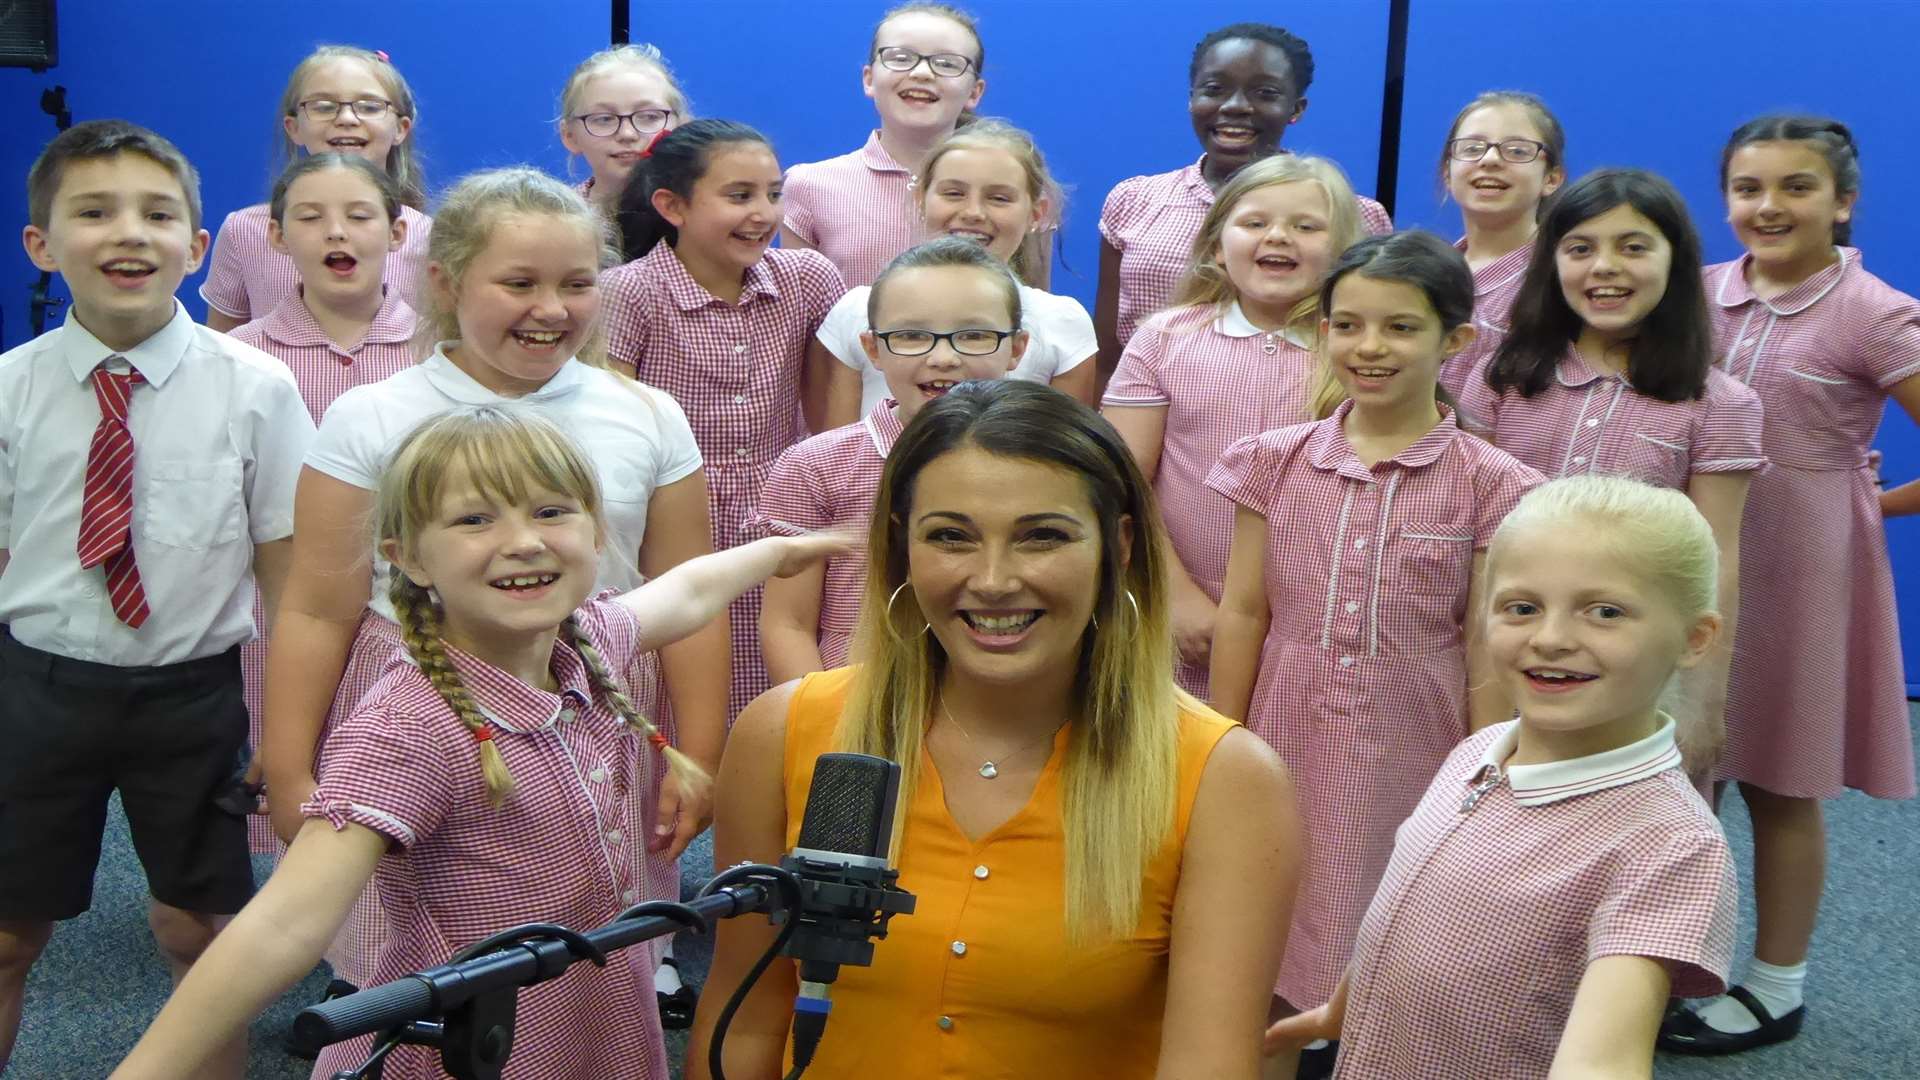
(1101, 83)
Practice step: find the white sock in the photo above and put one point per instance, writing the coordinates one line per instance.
(1777, 988)
(666, 977)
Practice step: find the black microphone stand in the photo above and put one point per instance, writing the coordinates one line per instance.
(466, 1007)
(40, 299)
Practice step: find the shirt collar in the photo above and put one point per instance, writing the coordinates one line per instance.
(513, 705)
(446, 377)
(1233, 323)
(874, 156)
(688, 294)
(1554, 781)
(1194, 179)
(1573, 370)
(884, 427)
(1501, 272)
(292, 322)
(1327, 446)
(1736, 290)
(155, 358)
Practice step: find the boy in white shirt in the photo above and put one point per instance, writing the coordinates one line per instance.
(147, 468)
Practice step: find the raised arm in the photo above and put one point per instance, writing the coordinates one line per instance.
(697, 591)
(750, 825)
(271, 945)
(328, 582)
(1615, 1017)
(1230, 917)
(1240, 631)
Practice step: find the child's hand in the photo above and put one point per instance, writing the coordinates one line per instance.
(800, 552)
(1295, 1032)
(681, 816)
(1193, 614)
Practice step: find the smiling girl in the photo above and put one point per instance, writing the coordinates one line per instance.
(494, 778)
(989, 184)
(1358, 550)
(614, 102)
(925, 70)
(1560, 877)
(514, 306)
(343, 100)
(1247, 84)
(1231, 358)
(1816, 704)
(943, 313)
(1609, 369)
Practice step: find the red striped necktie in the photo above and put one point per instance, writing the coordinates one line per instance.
(106, 509)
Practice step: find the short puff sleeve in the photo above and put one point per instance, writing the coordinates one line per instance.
(1673, 899)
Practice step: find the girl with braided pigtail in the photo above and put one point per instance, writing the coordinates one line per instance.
(500, 776)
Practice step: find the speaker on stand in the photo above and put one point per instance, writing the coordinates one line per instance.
(29, 35)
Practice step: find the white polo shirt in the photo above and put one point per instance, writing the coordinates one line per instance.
(637, 437)
(1059, 330)
(218, 432)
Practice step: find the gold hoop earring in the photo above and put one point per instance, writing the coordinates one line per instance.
(926, 626)
(1137, 617)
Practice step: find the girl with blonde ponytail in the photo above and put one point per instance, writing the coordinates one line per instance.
(499, 778)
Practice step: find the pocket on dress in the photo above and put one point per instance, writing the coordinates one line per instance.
(1659, 461)
(1432, 559)
(193, 505)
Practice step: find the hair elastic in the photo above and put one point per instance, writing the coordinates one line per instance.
(483, 733)
(382, 54)
(658, 740)
(655, 141)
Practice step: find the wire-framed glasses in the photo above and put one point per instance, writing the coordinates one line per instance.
(605, 125)
(323, 109)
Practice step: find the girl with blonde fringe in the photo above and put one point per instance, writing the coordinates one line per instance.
(1075, 827)
(613, 104)
(1357, 554)
(496, 778)
(340, 99)
(1231, 358)
(513, 314)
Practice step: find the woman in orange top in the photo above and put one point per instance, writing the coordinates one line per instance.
(1104, 867)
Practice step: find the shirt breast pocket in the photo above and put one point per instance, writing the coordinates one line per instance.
(1659, 460)
(1432, 560)
(193, 505)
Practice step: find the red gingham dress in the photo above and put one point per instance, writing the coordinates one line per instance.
(832, 479)
(1363, 676)
(735, 369)
(324, 371)
(1507, 882)
(856, 209)
(1586, 422)
(1152, 221)
(567, 847)
(1817, 702)
(247, 279)
(1220, 379)
(1494, 287)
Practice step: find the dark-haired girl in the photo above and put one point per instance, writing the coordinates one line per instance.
(705, 311)
(1247, 83)
(1358, 541)
(1815, 704)
(1608, 368)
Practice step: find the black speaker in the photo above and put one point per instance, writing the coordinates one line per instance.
(28, 34)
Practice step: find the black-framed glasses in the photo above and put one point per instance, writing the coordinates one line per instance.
(946, 65)
(1517, 151)
(970, 342)
(605, 125)
(324, 109)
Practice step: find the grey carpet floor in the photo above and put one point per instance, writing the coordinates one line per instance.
(100, 980)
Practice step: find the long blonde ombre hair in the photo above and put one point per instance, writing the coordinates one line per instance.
(504, 452)
(1206, 281)
(1122, 771)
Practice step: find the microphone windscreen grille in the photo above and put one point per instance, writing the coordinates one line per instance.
(850, 805)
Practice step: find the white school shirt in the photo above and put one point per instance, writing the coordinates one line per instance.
(637, 437)
(218, 433)
(1059, 329)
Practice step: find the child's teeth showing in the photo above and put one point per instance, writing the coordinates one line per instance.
(539, 339)
(128, 268)
(527, 581)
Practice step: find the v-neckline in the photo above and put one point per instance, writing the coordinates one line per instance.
(1049, 777)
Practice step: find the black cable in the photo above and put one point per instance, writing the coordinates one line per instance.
(791, 901)
(1393, 98)
(621, 29)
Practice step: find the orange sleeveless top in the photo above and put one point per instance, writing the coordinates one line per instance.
(979, 982)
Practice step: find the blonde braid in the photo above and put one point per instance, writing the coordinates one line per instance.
(691, 777)
(419, 619)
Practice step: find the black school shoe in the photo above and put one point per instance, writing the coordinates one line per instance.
(1684, 1032)
(1318, 1064)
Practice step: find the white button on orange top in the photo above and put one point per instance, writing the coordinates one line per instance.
(959, 948)
(980, 872)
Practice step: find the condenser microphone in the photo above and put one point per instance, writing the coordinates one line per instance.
(848, 887)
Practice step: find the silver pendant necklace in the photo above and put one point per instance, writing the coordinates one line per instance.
(988, 770)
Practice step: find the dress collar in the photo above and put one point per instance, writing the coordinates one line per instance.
(1501, 272)
(884, 427)
(513, 705)
(874, 156)
(1327, 446)
(1554, 781)
(1233, 323)
(155, 358)
(292, 323)
(1736, 290)
(446, 377)
(689, 295)
(1574, 371)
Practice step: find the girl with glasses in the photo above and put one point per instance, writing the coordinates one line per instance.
(923, 73)
(1504, 154)
(615, 102)
(340, 99)
(943, 313)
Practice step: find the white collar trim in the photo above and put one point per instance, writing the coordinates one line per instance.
(1554, 781)
(1234, 323)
